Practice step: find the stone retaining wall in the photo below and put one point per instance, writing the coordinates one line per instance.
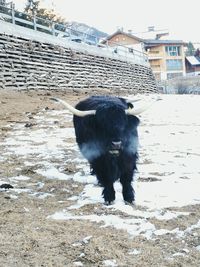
(30, 64)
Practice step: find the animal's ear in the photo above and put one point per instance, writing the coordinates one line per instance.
(130, 105)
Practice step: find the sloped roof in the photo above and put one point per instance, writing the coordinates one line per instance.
(124, 33)
(151, 42)
(147, 42)
(193, 60)
(152, 35)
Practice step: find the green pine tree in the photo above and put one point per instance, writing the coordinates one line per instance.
(190, 49)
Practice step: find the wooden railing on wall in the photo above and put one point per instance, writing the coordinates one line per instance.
(9, 14)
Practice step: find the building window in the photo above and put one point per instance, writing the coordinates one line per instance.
(173, 50)
(174, 75)
(174, 64)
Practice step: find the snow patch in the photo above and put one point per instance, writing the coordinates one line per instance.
(134, 252)
(110, 263)
(78, 263)
(133, 226)
(54, 173)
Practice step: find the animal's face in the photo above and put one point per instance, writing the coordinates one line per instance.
(104, 125)
(111, 125)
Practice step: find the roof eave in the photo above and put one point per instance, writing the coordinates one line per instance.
(122, 32)
(153, 42)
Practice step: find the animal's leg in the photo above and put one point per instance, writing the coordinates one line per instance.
(108, 194)
(127, 172)
(108, 188)
(105, 174)
(127, 190)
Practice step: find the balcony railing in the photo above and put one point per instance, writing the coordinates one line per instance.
(154, 55)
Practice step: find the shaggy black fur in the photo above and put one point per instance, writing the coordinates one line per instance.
(97, 136)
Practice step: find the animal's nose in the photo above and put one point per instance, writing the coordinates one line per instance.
(116, 144)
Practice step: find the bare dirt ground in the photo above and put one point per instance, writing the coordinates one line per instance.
(29, 238)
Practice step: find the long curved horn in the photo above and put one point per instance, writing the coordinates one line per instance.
(79, 113)
(136, 110)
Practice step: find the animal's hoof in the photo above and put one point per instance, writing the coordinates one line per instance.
(132, 203)
(108, 203)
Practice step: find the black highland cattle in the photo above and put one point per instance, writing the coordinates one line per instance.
(107, 136)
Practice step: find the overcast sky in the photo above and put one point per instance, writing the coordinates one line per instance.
(181, 18)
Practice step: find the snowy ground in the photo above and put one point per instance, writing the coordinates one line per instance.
(167, 183)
